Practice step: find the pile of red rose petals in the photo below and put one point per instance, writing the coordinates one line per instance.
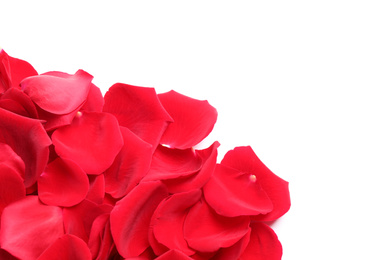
(84, 176)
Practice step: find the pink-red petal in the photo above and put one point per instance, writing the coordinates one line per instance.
(173, 254)
(193, 120)
(93, 140)
(63, 183)
(244, 159)
(57, 94)
(25, 106)
(130, 218)
(233, 193)
(263, 244)
(100, 241)
(138, 109)
(28, 227)
(96, 191)
(11, 186)
(65, 248)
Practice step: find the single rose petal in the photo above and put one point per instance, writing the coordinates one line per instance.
(12, 71)
(130, 165)
(95, 100)
(233, 193)
(58, 95)
(28, 227)
(26, 106)
(245, 160)
(234, 251)
(168, 220)
(96, 188)
(170, 163)
(199, 179)
(65, 248)
(263, 244)
(93, 140)
(130, 218)
(29, 140)
(63, 183)
(138, 109)
(206, 231)
(193, 120)
(11, 186)
(173, 254)
(9, 158)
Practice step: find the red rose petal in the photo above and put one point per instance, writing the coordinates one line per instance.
(9, 158)
(4, 255)
(244, 159)
(173, 254)
(234, 251)
(53, 121)
(96, 188)
(168, 220)
(65, 248)
(224, 193)
(138, 109)
(206, 231)
(100, 241)
(63, 183)
(58, 95)
(26, 106)
(130, 166)
(95, 101)
(93, 140)
(29, 140)
(131, 217)
(28, 227)
(193, 120)
(263, 244)
(11, 186)
(170, 163)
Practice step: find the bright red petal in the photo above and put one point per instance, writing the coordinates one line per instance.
(193, 120)
(93, 140)
(245, 160)
(234, 251)
(168, 220)
(95, 101)
(263, 244)
(9, 158)
(138, 109)
(28, 227)
(58, 95)
(130, 218)
(206, 231)
(29, 140)
(96, 188)
(100, 241)
(63, 183)
(233, 193)
(26, 106)
(11, 186)
(173, 254)
(130, 166)
(65, 248)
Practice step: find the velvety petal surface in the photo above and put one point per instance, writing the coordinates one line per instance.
(138, 109)
(130, 218)
(26, 106)
(65, 248)
(130, 165)
(100, 241)
(206, 231)
(95, 100)
(193, 120)
(245, 160)
(9, 158)
(58, 94)
(225, 193)
(234, 251)
(28, 227)
(173, 254)
(29, 140)
(168, 220)
(11, 186)
(93, 140)
(96, 191)
(263, 244)
(63, 183)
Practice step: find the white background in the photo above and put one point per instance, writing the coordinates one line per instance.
(303, 82)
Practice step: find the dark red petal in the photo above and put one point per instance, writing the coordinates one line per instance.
(170, 163)
(130, 218)
(234, 251)
(96, 188)
(27, 107)
(173, 254)
(138, 109)
(233, 193)
(93, 140)
(244, 159)
(58, 95)
(9, 158)
(78, 219)
(11, 186)
(130, 166)
(63, 183)
(206, 231)
(168, 220)
(193, 120)
(29, 140)
(198, 180)
(65, 248)
(28, 227)
(4, 255)
(100, 241)
(263, 244)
